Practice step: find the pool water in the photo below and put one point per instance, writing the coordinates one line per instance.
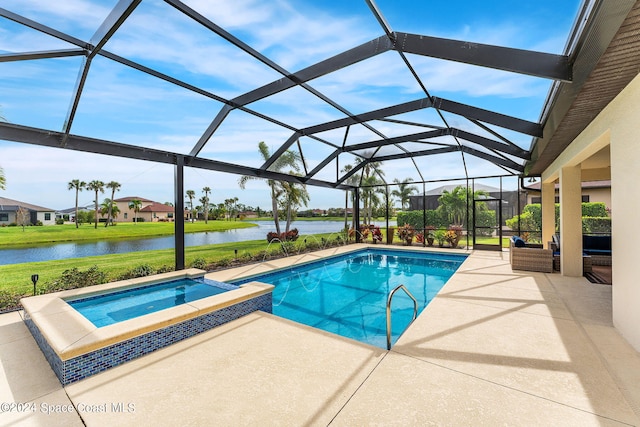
(109, 308)
(347, 295)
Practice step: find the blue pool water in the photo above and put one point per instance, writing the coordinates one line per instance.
(347, 295)
(109, 308)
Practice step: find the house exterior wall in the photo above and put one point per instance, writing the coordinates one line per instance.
(40, 216)
(616, 126)
(11, 217)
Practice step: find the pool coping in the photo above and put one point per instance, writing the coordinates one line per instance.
(70, 335)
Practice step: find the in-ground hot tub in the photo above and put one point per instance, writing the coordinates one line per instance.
(76, 348)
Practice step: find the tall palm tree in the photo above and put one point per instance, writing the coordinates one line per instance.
(235, 208)
(295, 195)
(96, 186)
(136, 205)
(191, 194)
(205, 206)
(370, 199)
(206, 190)
(114, 186)
(372, 174)
(3, 180)
(289, 159)
(344, 170)
(403, 191)
(76, 184)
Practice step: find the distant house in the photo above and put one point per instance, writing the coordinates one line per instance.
(71, 212)
(150, 211)
(9, 212)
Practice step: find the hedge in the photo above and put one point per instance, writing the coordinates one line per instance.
(415, 219)
(532, 217)
(596, 224)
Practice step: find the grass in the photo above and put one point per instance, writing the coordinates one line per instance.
(31, 236)
(16, 278)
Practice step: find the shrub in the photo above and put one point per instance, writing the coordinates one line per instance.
(9, 301)
(289, 236)
(416, 219)
(288, 248)
(139, 271)
(594, 209)
(596, 224)
(165, 269)
(59, 221)
(74, 278)
(200, 263)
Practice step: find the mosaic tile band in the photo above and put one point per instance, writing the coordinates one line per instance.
(78, 368)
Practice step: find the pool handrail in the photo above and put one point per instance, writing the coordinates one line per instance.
(415, 311)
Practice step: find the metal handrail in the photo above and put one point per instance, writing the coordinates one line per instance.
(415, 311)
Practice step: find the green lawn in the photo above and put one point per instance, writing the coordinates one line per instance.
(16, 278)
(16, 237)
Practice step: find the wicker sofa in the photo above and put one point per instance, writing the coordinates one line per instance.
(530, 257)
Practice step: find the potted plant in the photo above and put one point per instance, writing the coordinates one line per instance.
(452, 238)
(439, 235)
(406, 233)
(430, 235)
(453, 235)
(376, 234)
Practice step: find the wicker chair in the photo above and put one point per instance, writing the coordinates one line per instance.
(530, 258)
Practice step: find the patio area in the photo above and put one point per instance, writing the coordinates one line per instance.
(494, 347)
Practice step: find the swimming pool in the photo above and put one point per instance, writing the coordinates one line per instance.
(347, 294)
(109, 308)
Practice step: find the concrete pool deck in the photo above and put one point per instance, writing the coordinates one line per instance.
(494, 347)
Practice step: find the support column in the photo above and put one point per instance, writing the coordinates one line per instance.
(179, 213)
(548, 212)
(571, 221)
(356, 214)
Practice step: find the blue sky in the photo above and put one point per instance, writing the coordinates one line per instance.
(121, 104)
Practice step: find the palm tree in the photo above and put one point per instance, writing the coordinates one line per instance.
(109, 207)
(289, 159)
(114, 186)
(370, 199)
(206, 190)
(205, 206)
(76, 184)
(136, 205)
(372, 175)
(96, 186)
(191, 194)
(454, 204)
(235, 208)
(403, 191)
(295, 195)
(3, 181)
(344, 170)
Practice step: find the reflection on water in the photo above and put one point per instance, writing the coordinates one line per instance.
(79, 250)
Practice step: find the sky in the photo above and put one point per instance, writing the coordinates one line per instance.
(124, 105)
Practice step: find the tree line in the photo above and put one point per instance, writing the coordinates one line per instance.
(108, 206)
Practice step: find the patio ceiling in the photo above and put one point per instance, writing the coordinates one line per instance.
(330, 130)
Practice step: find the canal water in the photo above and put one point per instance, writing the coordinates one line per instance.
(85, 249)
